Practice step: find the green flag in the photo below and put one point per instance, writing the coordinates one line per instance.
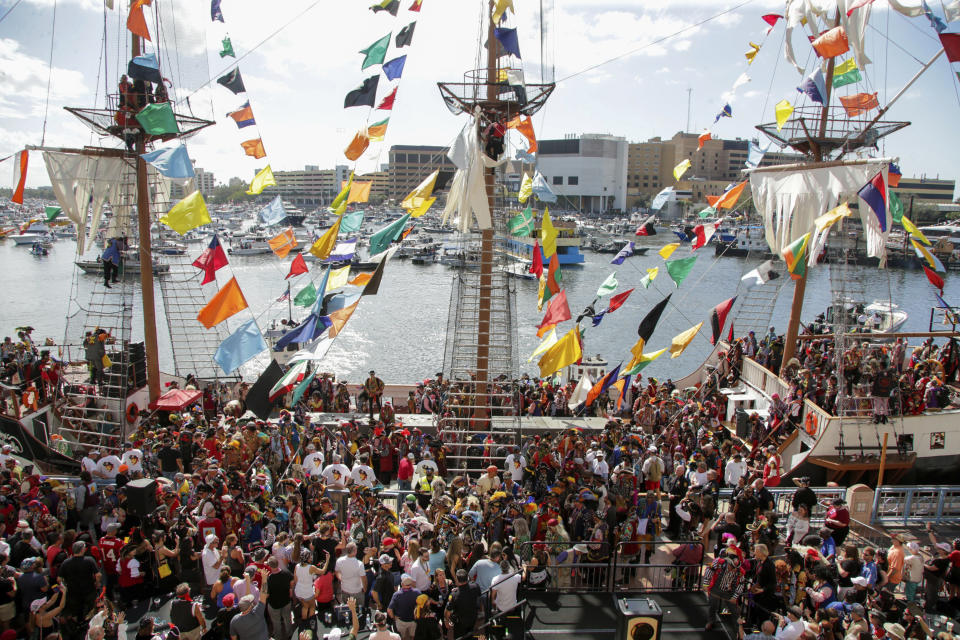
(647, 279)
(301, 388)
(227, 48)
(708, 212)
(521, 224)
(896, 207)
(351, 222)
(609, 285)
(375, 53)
(680, 269)
(846, 73)
(306, 297)
(158, 119)
(380, 241)
(53, 212)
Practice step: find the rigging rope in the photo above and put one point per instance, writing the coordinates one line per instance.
(46, 106)
(10, 10)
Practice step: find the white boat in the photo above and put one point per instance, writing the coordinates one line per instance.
(519, 270)
(27, 239)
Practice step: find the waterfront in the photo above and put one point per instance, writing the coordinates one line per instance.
(400, 332)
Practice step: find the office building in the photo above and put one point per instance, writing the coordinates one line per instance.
(588, 173)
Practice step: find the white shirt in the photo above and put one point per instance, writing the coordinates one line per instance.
(134, 567)
(362, 475)
(88, 464)
(133, 459)
(351, 573)
(109, 466)
(505, 590)
(792, 631)
(209, 559)
(697, 478)
(423, 465)
(313, 464)
(733, 472)
(515, 464)
(336, 473)
(601, 468)
(421, 573)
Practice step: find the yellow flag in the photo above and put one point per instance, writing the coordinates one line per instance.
(423, 190)
(681, 169)
(750, 55)
(913, 230)
(548, 235)
(526, 188)
(637, 351)
(929, 257)
(783, 109)
(541, 290)
(261, 181)
(189, 213)
(680, 342)
(359, 192)
(338, 278)
(667, 249)
(548, 341)
(325, 244)
(361, 279)
(423, 208)
(845, 67)
(650, 277)
(501, 8)
(565, 352)
(644, 359)
(341, 198)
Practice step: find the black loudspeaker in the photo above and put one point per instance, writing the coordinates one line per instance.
(141, 497)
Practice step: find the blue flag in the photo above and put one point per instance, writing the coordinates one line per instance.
(625, 253)
(661, 198)
(755, 153)
(351, 222)
(814, 86)
(215, 13)
(309, 329)
(172, 163)
(239, 347)
(321, 288)
(542, 190)
(597, 318)
(394, 68)
(726, 112)
(273, 213)
(508, 39)
(340, 301)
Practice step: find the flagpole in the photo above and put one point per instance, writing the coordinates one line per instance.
(289, 304)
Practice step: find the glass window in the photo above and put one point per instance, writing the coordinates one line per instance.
(557, 179)
(573, 180)
(400, 157)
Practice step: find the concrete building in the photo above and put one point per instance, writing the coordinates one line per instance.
(310, 186)
(410, 164)
(205, 182)
(713, 167)
(925, 191)
(380, 190)
(587, 172)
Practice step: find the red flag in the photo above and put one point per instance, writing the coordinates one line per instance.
(298, 266)
(416, 5)
(617, 301)
(934, 278)
(387, 103)
(210, 260)
(704, 232)
(646, 228)
(536, 267)
(557, 311)
(951, 46)
(718, 317)
(730, 335)
(702, 139)
(771, 18)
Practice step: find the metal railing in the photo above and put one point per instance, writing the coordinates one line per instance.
(902, 506)
(783, 498)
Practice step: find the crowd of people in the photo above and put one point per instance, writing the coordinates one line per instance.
(270, 528)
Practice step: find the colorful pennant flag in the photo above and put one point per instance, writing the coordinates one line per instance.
(136, 22)
(894, 204)
(617, 301)
(215, 14)
(822, 224)
(283, 243)
(381, 240)
(752, 53)
(681, 168)
(643, 361)
(650, 277)
(240, 347)
(681, 341)
(189, 213)
(233, 81)
(602, 385)
(324, 245)
(405, 37)
(522, 224)
(290, 379)
(667, 250)
(357, 146)
(254, 148)
(297, 267)
(243, 116)
(925, 254)
(524, 125)
(500, 9)
(359, 192)
(831, 43)
(608, 286)
(649, 322)
(934, 278)
(421, 192)
(261, 181)
(508, 40)
(226, 48)
(726, 112)
(814, 86)
(363, 96)
(173, 162)
(783, 109)
(378, 130)
(52, 212)
(859, 103)
(376, 52)
(228, 302)
(390, 6)
(526, 188)
(565, 352)
(846, 73)
(416, 6)
(536, 261)
(548, 235)
(703, 233)
(646, 227)
(729, 197)
(702, 139)
(557, 311)
(951, 45)
(795, 255)
(387, 103)
(680, 268)
(338, 319)
(212, 258)
(874, 193)
(394, 68)
(548, 341)
(158, 119)
(913, 230)
(338, 278)
(718, 317)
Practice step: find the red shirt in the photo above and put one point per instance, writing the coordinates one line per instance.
(405, 471)
(323, 587)
(110, 546)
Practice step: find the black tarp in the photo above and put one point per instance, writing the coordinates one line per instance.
(258, 397)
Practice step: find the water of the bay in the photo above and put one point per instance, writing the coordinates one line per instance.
(400, 332)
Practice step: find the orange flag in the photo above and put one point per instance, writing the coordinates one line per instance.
(228, 301)
(557, 311)
(283, 243)
(361, 279)
(357, 146)
(552, 269)
(702, 139)
(359, 192)
(254, 148)
(525, 126)
(831, 43)
(136, 23)
(859, 103)
(339, 318)
(728, 199)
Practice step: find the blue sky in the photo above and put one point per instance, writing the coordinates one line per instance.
(297, 79)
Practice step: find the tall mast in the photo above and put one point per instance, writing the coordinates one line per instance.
(146, 261)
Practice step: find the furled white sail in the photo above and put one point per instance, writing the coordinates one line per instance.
(791, 200)
(81, 181)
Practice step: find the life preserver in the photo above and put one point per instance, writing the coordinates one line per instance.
(29, 397)
(133, 412)
(810, 425)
